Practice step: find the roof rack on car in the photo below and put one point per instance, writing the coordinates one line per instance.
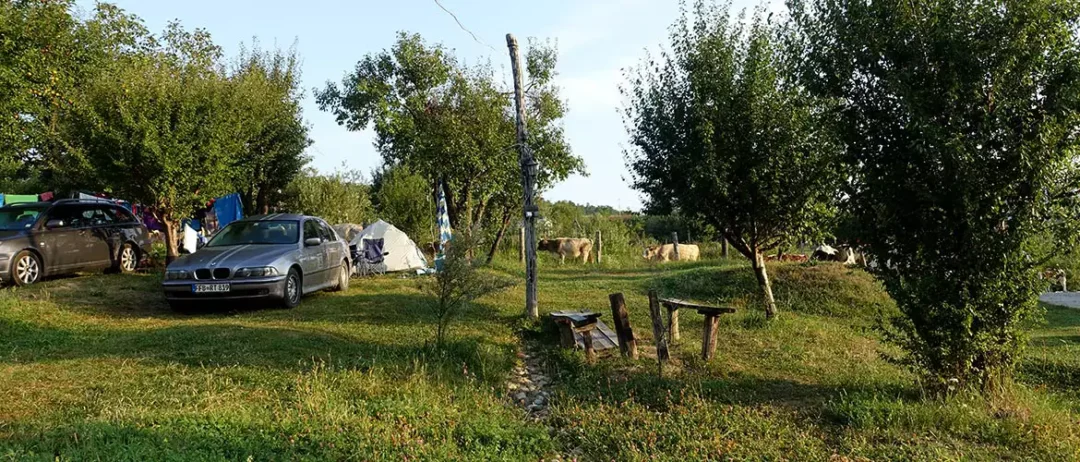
(81, 200)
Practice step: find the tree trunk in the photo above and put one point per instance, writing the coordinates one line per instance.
(261, 203)
(723, 247)
(762, 274)
(500, 235)
(172, 241)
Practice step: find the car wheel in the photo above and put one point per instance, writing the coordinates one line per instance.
(293, 289)
(126, 260)
(26, 269)
(343, 278)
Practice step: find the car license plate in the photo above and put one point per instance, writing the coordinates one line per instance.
(209, 288)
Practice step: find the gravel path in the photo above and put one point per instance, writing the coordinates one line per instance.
(1066, 299)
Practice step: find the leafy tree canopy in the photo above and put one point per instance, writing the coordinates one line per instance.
(959, 118)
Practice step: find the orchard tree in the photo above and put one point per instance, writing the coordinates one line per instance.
(268, 94)
(46, 54)
(719, 132)
(339, 197)
(960, 121)
(160, 127)
(450, 122)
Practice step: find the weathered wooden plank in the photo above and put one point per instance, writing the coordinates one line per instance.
(658, 328)
(708, 341)
(624, 332)
(676, 304)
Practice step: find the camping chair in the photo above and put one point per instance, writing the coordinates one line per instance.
(371, 258)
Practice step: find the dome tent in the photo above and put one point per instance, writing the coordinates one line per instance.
(402, 252)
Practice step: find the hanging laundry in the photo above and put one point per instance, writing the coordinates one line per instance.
(46, 196)
(228, 209)
(19, 198)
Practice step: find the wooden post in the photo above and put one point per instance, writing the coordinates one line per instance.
(673, 323)
(528, 178)
(627, 344)
(586, 339)
(599, 247)
(521, 247)
(675, 242)
(658, 329)
(708, 341)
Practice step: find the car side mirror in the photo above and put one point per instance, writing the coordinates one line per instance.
(312, 242)
(54, 224)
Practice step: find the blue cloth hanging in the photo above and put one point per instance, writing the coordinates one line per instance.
(228, 209)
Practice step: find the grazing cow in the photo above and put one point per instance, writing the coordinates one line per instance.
(564, 246)
(845, 254)
(666, 252)
(792, 257)
(1057, 278)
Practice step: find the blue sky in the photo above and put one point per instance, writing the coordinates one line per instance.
(596, 39)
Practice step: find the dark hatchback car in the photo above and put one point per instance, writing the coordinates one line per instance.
(68, 236)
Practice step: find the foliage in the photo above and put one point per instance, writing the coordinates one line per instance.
(445, 120)
(959, 120)
(458, 283)
(160, 128)
(268, 92)
(719, 132)
(340, 197)
(405, 199)
(46, 54)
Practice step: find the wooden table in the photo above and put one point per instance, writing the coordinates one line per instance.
(712, 317)
(582, 323)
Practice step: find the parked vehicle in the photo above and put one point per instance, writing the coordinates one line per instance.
(278, 257)
(68, 236)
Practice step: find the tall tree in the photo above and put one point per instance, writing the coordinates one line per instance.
(448, 121)
(960, 120)
(717, 131)
(160, 127)
(268, 90)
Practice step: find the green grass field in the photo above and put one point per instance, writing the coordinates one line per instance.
(97, 368)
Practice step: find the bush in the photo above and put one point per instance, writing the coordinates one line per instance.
(458, 283)
(340, 197)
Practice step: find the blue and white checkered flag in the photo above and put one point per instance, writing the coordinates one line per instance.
(445, 234)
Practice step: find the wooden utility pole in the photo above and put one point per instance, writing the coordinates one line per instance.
(528, 179)
(675, 243)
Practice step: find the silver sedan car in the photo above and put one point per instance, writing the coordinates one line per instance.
(278, 257)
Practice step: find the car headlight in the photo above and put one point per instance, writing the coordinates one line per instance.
(260, 272)
(177, 275)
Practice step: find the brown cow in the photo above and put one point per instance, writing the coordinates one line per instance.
(666, 252)
(572, 246)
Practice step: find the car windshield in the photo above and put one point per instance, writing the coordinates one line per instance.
(257, 232)
(17, 218)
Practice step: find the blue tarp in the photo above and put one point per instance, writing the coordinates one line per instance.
(228, 209)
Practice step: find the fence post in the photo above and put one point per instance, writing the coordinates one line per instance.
(675, 242)
(599, 247)
(658, 331)
(623, 331)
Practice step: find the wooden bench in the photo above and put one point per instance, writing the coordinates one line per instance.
(586, 325)
(712, 317)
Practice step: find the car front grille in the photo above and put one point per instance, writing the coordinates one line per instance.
(202, 274)
(221, 273)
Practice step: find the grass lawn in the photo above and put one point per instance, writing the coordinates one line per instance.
(98, 368)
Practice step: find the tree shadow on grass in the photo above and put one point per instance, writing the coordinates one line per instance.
(224, 345)
(1058, 375)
